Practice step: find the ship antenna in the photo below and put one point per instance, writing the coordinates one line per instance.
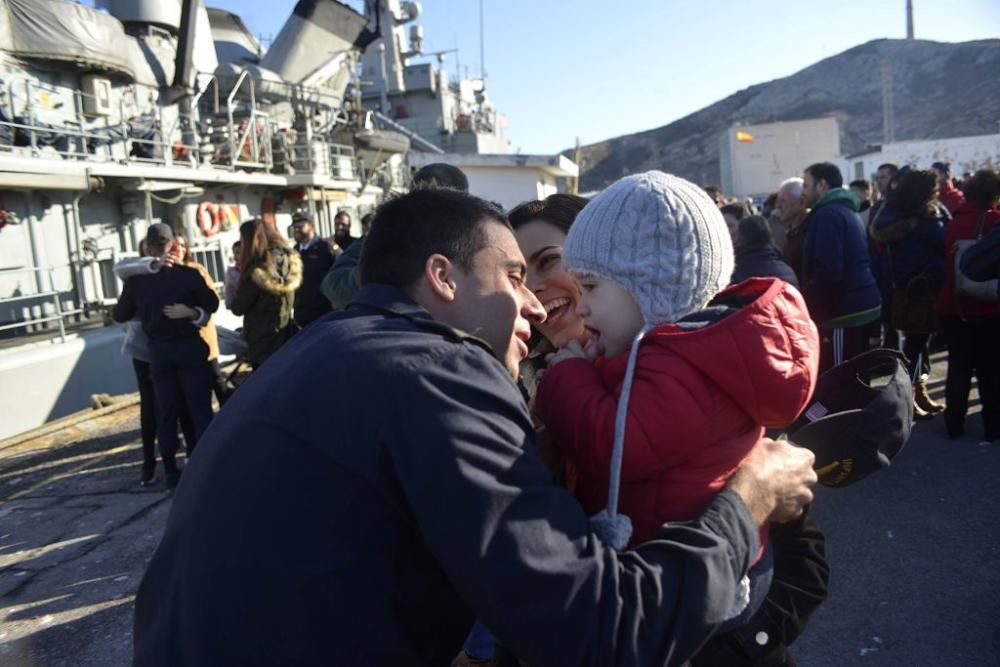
(482, 46)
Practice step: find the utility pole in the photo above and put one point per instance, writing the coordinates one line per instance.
(909, 19)
(888, 115)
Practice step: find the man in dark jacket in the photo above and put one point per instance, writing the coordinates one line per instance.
(342, 230)
(885, 180)
(756, 254)
(167, 302)
(317, 258)
(375, 542)
(837, 280)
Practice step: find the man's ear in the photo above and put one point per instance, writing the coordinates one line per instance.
(439, 273)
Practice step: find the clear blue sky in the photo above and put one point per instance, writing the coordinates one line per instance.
(595, 69)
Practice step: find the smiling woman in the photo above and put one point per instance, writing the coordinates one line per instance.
(541, 228)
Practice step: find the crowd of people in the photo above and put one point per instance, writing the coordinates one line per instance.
(877, 267)
(431, 453)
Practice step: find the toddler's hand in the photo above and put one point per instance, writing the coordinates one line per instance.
(573, 350)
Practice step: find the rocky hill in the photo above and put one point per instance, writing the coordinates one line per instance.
(939, 90)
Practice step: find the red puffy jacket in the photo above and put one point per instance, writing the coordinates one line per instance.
(963, 227)
(699, 401)
(951, 197)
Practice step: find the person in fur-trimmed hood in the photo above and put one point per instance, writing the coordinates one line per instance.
(700, 373)
(270, 273)
(910, 228)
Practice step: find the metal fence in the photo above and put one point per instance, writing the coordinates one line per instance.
(34, 324)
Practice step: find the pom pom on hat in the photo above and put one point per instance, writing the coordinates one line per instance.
(660, 237)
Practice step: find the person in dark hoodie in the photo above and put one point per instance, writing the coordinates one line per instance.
(836, 279)
(756, 255)
(317, 258)
(911, 230)
(270, 272)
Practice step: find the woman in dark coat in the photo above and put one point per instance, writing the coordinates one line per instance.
(270, 272)
(911, 230)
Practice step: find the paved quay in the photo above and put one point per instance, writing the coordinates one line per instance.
(914, 551)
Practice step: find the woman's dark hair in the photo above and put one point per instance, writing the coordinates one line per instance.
(753, 230)
(559, 210)
(983, 187)
(258, 240)
(410, 228)
(915, 194)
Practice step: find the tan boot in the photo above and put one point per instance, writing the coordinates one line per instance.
(923, 398)
(919, 414)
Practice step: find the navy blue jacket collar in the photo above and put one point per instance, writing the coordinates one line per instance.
(385, 297)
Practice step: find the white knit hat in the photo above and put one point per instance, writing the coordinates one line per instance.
(658, 236)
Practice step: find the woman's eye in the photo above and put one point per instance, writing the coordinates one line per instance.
(549, 262)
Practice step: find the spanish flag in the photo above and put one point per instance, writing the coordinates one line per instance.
(744, 137)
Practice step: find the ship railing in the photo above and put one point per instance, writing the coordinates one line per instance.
(342, 161)
(86, 138)
(325, 157)
(80, 136)
(255, 135)
(58, 314)
(211, 255)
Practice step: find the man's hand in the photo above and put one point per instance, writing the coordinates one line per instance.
(179, 311)
(774, 481)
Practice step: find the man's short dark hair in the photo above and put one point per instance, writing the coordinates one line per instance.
(410, 228)
(826, 171)
(753, 230)
(891, 166)
(440, 175)
(861, 184)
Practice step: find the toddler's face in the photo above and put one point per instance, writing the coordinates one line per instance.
(609, 313)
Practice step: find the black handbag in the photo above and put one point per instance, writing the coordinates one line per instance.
(914, 307)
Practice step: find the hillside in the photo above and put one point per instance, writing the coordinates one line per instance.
(940, 90)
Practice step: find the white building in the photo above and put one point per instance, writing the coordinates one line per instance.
(755, 159)
(506, 179)
(966, 154)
